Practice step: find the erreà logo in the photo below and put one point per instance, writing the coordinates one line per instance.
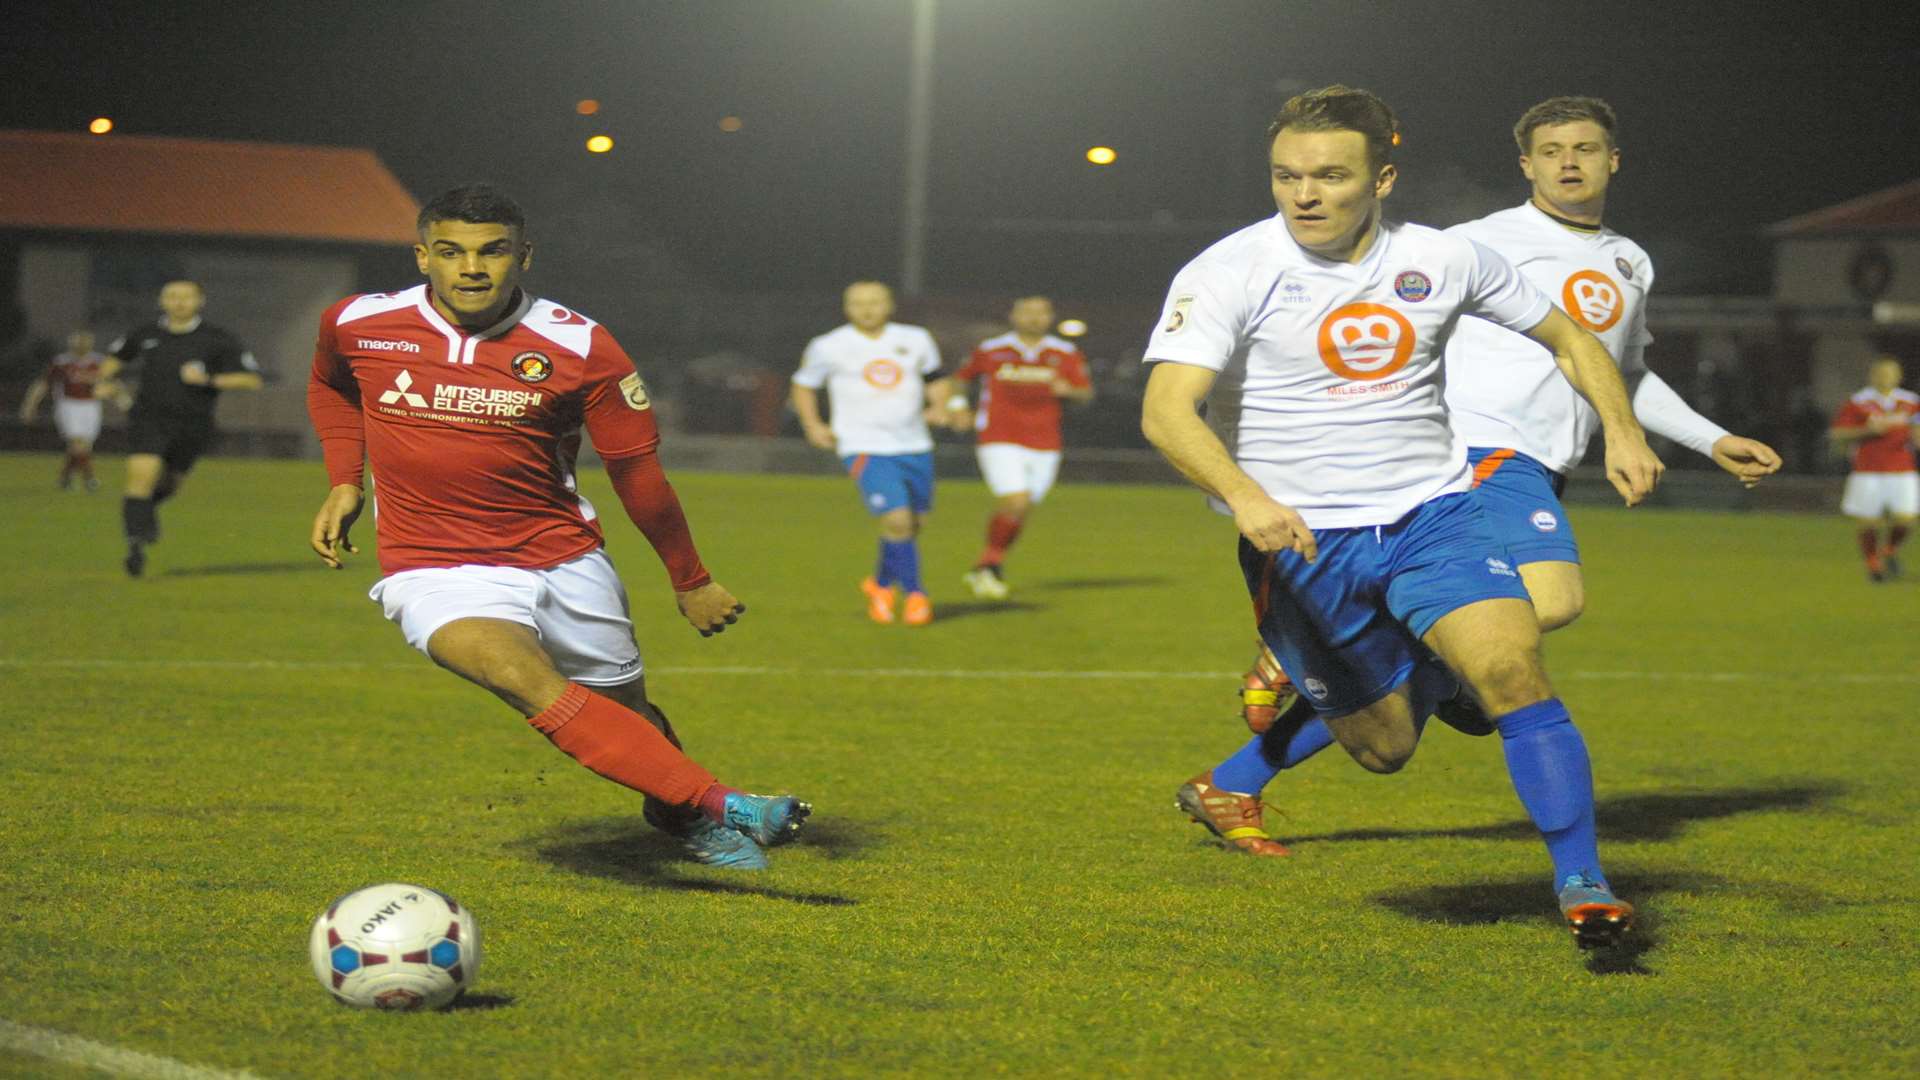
(403, 391)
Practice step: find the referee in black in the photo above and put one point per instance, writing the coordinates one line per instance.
(182, 363)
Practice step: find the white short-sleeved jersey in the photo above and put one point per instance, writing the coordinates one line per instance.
(1341, 412)
(1504, 389)
(876, 386)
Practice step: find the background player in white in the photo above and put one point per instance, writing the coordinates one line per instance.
(1523, 424)
(1024, 377)
(884, 387)
(1878, 422)
(73, 378)
(1360, 545)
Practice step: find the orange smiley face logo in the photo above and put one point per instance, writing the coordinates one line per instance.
(1365, 342)
(881, 374)
(1592, 299)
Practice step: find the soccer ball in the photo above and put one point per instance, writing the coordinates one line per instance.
(399, 947)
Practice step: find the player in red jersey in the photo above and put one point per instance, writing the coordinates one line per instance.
(72, 377)
(1878, 421)
(467, 396)
(1024, 376)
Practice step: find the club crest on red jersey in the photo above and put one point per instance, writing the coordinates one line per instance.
(531, 367)
(635, 392)
(1412, 286)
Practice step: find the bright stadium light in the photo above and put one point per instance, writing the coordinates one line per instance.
(1072, 327)
(586, 107)
(100, 125)
(731, 124)
(600, 144)
(1101, 155)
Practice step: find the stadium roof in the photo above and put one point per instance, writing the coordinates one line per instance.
(197, 187)
(1895, 209)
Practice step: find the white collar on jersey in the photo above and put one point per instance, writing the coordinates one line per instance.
(191, 327)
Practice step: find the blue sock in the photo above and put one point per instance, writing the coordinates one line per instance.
(906, 564)
(1547, 761)
(884, 573)
(1296, 736)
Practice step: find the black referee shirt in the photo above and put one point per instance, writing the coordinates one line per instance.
(156, 354)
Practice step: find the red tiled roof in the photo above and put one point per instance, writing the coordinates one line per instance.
(1896, 209)
(143, 184)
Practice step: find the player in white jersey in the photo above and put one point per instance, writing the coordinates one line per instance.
(884, 387)
(1364, 554)
(1523, 425)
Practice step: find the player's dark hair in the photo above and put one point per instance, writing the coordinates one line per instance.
(475, 204)
(1563, 110)
(1342, 108)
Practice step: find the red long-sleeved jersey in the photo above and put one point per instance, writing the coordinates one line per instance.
(473, 436)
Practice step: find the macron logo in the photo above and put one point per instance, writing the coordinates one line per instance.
(403, 391)
(389, 346)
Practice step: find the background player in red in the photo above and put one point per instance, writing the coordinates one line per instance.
(1878, 421)
(72, 378)
(1024, 376)
(468, 396)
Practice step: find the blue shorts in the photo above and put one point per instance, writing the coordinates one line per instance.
(1521, 500)
(1347, 627)
(892, 481)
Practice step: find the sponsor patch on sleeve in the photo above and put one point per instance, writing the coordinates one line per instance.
(1177, 317)
(635, 392)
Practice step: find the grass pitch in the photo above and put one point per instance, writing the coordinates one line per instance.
(995, 879)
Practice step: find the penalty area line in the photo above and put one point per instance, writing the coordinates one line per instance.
(1001, 674)
(73, 1050)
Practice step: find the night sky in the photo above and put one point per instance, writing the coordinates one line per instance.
(1727, 124)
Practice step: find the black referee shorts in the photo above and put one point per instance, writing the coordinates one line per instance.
(179, 443)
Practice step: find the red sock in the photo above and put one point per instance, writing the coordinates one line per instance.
(1870, 545)
(1002, 531)
(1896, 536)
(619, 744)
(714, 802)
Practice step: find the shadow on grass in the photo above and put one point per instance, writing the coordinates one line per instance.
(1067, 584)
(628, 850)
(237, 569)
(1654, 816)
(480, 1002)
(960, 609)
(1528, 899)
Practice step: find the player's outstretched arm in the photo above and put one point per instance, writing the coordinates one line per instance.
(1663, 412)
(333, 523)
(1170, 419)
(806, 405)
(31, 403)
(1632, 466)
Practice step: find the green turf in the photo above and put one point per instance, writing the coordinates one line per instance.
(995, 880)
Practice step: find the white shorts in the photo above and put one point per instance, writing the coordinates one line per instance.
(1010, 469)
(77, 419)
(578, 608)
(1873, 494)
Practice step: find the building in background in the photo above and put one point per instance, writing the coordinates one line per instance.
(92, 226)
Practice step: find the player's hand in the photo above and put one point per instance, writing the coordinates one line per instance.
(710, 608)
(194, 373)
(1633, 468)
(330, 525)
(1272, 527)
(1880, 423)
(1749, 460)
(819, 436)
(26, 415)
(960, 419)
(938, 416)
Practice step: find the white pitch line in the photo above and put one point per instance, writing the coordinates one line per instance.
(1002, 674)
(73, 1050)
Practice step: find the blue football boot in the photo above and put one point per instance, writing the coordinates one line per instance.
(766, 819)
(1597, 918)
(708, 842)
